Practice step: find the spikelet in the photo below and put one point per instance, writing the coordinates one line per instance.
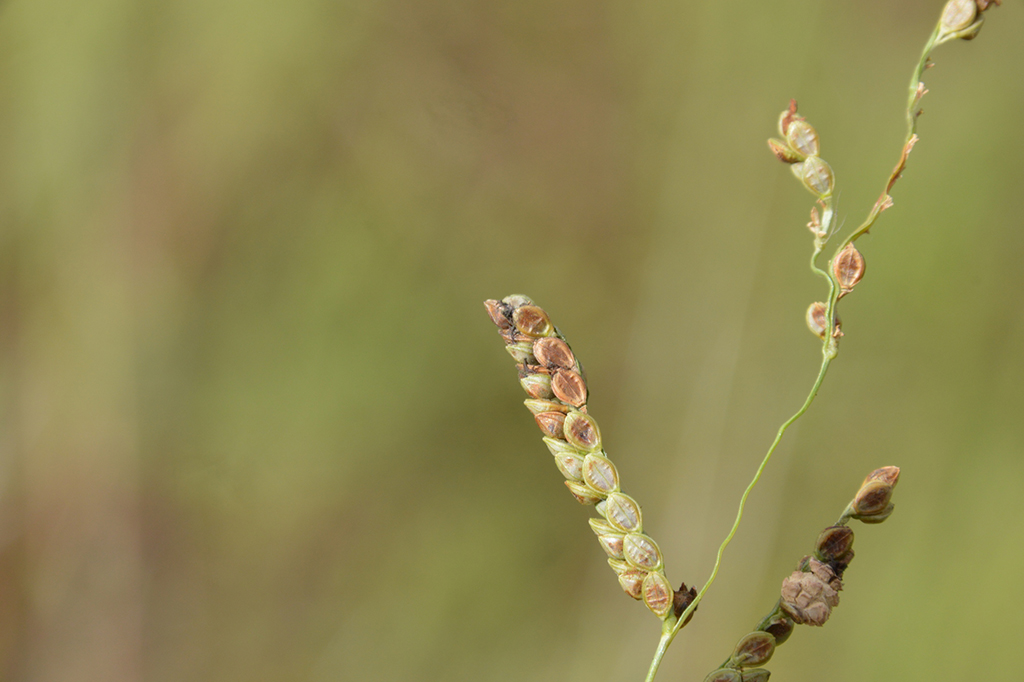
(554, 381)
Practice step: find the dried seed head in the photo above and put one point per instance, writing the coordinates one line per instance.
(848, 268)
(783, 152)
(571, 465)
(890, 475)
(552, 424)
(641, 551)
(958, 15)
(872, 500)
(817, 319)
(581, 430)
(612, 544)
(816, 175)
(802, 137)
(808, 597)
(499, 314)
(521, 351)
(724, 675)
(552, 351)
(835, 545)
(600, 474)
(658, 594)
(623, 512)
(582, 493)
(754, 649)
(537, 386)
(632, 582)
(532, 321)
(780, 627)
(569, 387)
(538, 406)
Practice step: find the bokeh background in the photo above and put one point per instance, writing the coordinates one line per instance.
(257, 426)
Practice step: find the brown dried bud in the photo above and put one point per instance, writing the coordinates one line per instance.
(683, 598)
(754, 649)
(537, 386)
(889, 474)
(817, 319)
(848, 268)
(499, 314)
(642, 552)
(569, 387)
(623, 512)
(582, 493)
(657, 594)
(724, 675)
(552, 351)
(808, 597)
(581, 430)
(802, 137)
(835, 545)
(873, 499)
(958, 15)
(571, 465)
(783, 152)
(780, 627)
(816, 175)
(532, 321)
(552, 424)
(600, 474)
(538, 406)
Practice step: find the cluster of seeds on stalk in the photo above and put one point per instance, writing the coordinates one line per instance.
(800, 148)
(553, 379)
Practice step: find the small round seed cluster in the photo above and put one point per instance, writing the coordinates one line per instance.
(800, 148)
(553, 380)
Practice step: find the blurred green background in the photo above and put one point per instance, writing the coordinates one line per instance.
(257, 426)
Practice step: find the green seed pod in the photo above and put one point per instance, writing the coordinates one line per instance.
(631, 581)
(601, 527)
(552, 424)
(780, 627)
(623, 512)
(552, 351)
(756, 675)
(641, 551)
(532, 321)
(754, 649)
(724, 675)
(620, 565)
(658, 594)
(611, 543)
(835, 545)
(783, 152)
(521, 351)
(600, 474)
(803, 138)
(537, 386)
(538, 406)
(560, 447)
(581, 430)
(582, 493)
(571, 465)
(958, 15)
(816, 175)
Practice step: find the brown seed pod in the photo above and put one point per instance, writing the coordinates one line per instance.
(600, 474)
(552, 351)
(552, 424)
(499, 314)
(890, 475)
(817, 319)
(835, 545)
(623, 512)
(780, 627)
(848, 268)
(582, 493)
(581, 430)
(754, 649)
(569, 387)
(783, 152)
(641, 551)
(872, 498)
(657, 594)
(532, 321)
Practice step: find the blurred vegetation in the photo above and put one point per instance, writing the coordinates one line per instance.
(256, 425)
